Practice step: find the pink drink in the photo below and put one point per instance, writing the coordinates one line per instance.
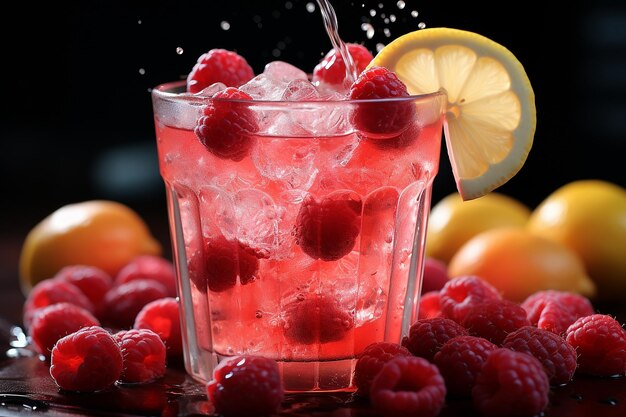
(286, 301)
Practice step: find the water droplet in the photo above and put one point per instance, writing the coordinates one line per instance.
(392, 17)
(310, 7)
(256, 19)
(414, 13)
(179, 50)
(300, 297)
(142, 71)
(225, 25)
(577, 396)
(610, 401)
(421, 25)
(380, 5)
(139, 22)
(379, 47)
(386, 20)
(281, 45)
(372, 12)
(400, 4)
(258, 314)
(288, 5)
(387, 32)
(368, 29)
(275, 52)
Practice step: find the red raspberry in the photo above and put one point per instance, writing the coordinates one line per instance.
(429, 306)
(600, 342)
(460, 294)
(408, 386)
(122, 303)
(556, 310)
(428, 335)
(511, 383)
(380, 119)
(459, 360)
(92, 281)
(149, 267)
(55, 321)
(332, 69)
(162, 316)
(226, 125)
(87, 360)
(144, 355)
(52, 291)
(316, 319)
(370, 362)
(435, 275)
(328, 229)
(495, 319)
(219, 66)
(246, 386)
(556, 355)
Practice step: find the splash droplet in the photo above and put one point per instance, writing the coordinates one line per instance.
(275, 52)
(392, 17)
(421, 25)
(368, 29)
(380, 5)
(372, 12)
(400, 4)
(139, 22)
(288, 5)
(142, 71)
(387, 32)
(379, 47)
(414, 13)
(179, 50)
(225, 25)
(310, 7)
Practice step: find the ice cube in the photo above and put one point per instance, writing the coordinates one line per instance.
(300, 90)
(283, 72)
(211, 90)
(263, 87)
(257, 220)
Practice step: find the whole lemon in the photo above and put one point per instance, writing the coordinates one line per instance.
(452, 221)
(589, 217)
(519, 263)
(100, 233)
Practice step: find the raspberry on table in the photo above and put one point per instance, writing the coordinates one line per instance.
(429, 305)
(86, 361)
(460, 294)
(427, 336)
(56, 321)
(332, 69)
(144, 355)
(556, 355)
(556, 310)
(408, 386)
(600, 342)
(370, 362)
(510, 383)
(459, 360)
(316, 319)
(495, 319)
(162, 316)
(149, 267)
(327, 229)
(246, 386)
(381, 120)
(226, 125)
(123, 302)
(219, 66)
(92, 281)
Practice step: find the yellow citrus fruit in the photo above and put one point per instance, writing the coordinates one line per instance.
(100, 233)
(589, 217)
(452, 221)
(519, 263)
(491, 115)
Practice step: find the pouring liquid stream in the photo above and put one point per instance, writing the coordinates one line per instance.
(332, 29)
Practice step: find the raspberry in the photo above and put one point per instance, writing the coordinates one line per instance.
(87, 360)
(144, 355)
(495, 319)
(149, 267)
(226, 124)
(511, 383)
(219, 65)
(92, 281)
(428, 335)
(55, 321)
(52, 291)
(327, 229)
(460, 294)
(429, 306)
(223, 261)
(122, 303)
(162, 316)
(317, 319)
(381, 120)
(556, 310)
(246, 386)
(600, 342)
(370, 362)
(556, 355)
(459, 360)
(435, 275)
(332, 69)
(408, 386)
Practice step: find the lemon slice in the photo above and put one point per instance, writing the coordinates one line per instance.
(490, 117)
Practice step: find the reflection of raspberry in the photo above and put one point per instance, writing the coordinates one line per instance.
(162, 316)
(428, 335)
(459, 360)
(408, 386)
(92, 281)
(460, 294)
(122, 303)
(149, 267)
(556, 355)
(332, 68)
(556, 310)
(494, 319)
(371, 360)
(435, 275)
(316, 319)
(87, 360)
(328, 229)
(144, 355)
(510, 384)
(246, 386)
(600, 342)
(429, 305)
(219, 65)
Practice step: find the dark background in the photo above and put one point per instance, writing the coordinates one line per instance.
(76, 109)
